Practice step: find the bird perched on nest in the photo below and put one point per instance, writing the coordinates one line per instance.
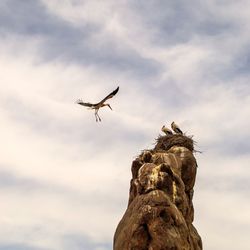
(166, 130)
(176, 128)
(98, 105)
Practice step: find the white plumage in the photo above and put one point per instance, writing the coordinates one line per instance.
(166, 130)
(176, 128)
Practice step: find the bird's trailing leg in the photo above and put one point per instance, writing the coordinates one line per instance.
(97, 117)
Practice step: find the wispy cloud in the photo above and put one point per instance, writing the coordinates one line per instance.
(173, 60)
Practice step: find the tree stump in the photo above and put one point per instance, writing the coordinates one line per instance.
(160, 211)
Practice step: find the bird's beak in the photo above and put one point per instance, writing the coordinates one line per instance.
(109, 106)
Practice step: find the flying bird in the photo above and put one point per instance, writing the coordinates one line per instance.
(166, 130)
(176, 128)
(98, 105)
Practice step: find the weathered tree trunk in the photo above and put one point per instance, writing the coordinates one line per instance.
(160, 210)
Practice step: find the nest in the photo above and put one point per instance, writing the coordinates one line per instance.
(168, 141)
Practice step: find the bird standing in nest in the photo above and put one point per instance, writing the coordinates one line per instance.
(176, 128)
(98, 105)
(166, 130)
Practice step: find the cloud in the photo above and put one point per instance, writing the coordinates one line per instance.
(18, 247)
(78, 242)
(172, 61)
(63, 41)
(51, 215)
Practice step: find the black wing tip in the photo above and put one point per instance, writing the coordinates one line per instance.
(180, 131)
(115, 91)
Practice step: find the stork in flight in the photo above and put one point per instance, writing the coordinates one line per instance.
(98, 105)
(166, 130)
(176, 128)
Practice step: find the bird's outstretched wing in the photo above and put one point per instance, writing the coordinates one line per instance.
(86, 104)
(110, 95)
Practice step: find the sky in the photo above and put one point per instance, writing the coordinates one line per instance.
(64, 179)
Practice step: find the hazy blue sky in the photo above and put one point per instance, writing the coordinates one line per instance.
(64, 179)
